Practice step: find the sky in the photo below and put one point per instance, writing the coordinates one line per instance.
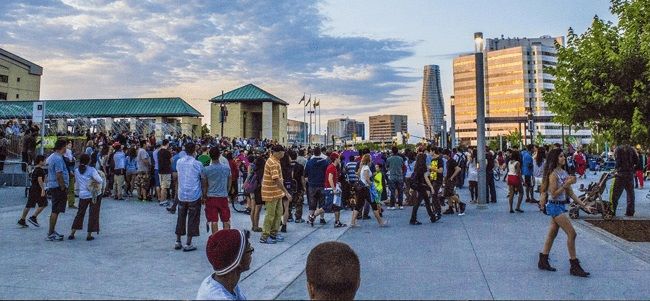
(359, 57)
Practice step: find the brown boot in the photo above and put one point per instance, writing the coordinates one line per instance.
(543, 263)
(576, 269)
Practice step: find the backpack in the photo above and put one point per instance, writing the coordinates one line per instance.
(462, 160)
(433, 174)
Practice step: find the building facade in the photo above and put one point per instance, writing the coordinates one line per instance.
(20, 79)
(515, 80)
(251, 113)
(384, 127)
(433, 108)
(297, 132)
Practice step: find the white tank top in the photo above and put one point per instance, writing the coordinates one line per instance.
(512, 169)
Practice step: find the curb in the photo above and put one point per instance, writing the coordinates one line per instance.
(631, 248)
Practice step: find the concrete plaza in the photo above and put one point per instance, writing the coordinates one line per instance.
(486, 254)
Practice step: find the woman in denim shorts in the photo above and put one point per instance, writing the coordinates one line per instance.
(555, 191)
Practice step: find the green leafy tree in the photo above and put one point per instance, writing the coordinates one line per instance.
(493, 144)
(514, 138)
(205, 130)
(639, 131)
(603, 75)
(539, 139)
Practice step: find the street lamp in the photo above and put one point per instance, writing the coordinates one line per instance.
(480, 120)
(223, 112)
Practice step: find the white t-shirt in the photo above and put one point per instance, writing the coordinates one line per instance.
(213, 290)
(362, 175)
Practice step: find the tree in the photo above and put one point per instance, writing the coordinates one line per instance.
(493, 144)
(205, 130)
(514, 138)
(539, 139)
(603, 75)
(639, 130)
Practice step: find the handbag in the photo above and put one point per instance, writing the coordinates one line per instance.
(251, 183)
(513, 180)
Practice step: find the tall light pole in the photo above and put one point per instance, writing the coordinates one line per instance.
(480, 120)
(453, 122)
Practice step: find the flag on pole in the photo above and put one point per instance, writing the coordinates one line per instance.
(302, 99)
(316, 103)
(308, 101)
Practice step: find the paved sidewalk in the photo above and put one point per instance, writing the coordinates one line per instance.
(487, 254)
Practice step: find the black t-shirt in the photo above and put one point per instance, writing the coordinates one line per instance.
(38, 172)
(451, 167)
(490, 161)
(164, 162)
(298, 172)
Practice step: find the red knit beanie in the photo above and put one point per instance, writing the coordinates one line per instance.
(225, 250)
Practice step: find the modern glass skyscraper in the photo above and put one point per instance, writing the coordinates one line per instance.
(433, 108)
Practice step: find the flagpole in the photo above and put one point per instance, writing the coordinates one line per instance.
(304, 120)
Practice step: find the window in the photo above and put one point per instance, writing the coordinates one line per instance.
(17, 96)
(3, 96)
(18, 79)
(4, 79)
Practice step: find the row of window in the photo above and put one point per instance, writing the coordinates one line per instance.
(3, 96)
(5, 79)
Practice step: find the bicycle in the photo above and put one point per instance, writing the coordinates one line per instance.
(496, 173)
(238, 202)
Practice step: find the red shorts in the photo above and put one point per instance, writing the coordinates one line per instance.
(217, 207)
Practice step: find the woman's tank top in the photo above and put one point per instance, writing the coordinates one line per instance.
(561, 178)
(512, 168)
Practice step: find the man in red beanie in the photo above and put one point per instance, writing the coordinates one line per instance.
(230, 254)
(332, 189)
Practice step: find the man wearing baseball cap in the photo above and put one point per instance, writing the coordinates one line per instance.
(230, 254)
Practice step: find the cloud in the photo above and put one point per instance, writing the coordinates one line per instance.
(104, 48)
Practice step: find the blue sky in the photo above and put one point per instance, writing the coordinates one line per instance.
(360, 57)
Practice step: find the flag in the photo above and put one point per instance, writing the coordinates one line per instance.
(308, 102)
(302, 99)
(316, 103)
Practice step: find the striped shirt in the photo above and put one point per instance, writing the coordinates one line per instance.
(351, 171)
(272, 171)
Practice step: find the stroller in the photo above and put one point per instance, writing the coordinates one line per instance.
(593, 198)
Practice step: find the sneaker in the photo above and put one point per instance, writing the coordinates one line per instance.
(323, 221)
(22, 223)
(283, 229)
(311, 220)
(278, 237)
(59, 236)
(269, 240)
(290, 220)
(258, 229)
(72, 207)
(70, 237)
(415, 223)
(462, 207)
(188, 248)
(338, 224)
(299, 221)
(171, 211)
(165, 203)
(400, 208)
(32, 220)
(51, 237)
(178, 245)
(391, 208)
(385, 224)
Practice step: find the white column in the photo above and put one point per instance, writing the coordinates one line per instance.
(267, 120)
(159, 125)
(61, 125)
(132, 124)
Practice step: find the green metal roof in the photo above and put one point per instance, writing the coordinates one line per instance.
(98, 108)
(250, 93)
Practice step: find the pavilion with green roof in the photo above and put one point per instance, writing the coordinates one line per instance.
(161, 112)
(252, 113)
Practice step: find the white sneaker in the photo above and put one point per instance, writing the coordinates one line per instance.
(391, 208)
(461, 214)
(401, 208)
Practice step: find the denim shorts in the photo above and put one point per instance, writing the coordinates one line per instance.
(554, 210)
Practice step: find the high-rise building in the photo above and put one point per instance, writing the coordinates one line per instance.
(345, 128)
(384, 127)
(296, 132)
(361, 130)
(20, 79)
(515, 79)
(433, 108)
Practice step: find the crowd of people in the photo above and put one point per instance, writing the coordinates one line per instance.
(187, 175)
